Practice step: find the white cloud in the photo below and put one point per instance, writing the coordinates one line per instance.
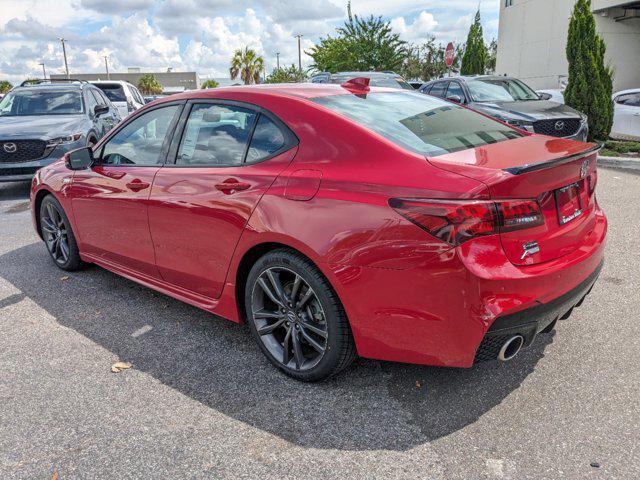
(420, 29)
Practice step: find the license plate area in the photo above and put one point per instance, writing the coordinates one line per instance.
(568, 203)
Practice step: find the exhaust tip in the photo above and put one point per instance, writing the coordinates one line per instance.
(510, 348)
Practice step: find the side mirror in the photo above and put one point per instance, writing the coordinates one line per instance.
(100, 110)
(455, 98)
(79, 159)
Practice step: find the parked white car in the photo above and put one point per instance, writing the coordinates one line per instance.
(551, 94)
(626, 115)
(123, 95)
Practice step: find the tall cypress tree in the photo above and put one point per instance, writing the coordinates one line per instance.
(475, 52)
(589, 88)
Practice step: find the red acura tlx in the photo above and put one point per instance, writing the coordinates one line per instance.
(337, 220)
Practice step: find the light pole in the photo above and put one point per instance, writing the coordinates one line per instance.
(278, 60)
(299, 36)
(106, 66)
(44, 72)
(64, 53)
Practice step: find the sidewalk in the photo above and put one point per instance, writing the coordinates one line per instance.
(619, 162)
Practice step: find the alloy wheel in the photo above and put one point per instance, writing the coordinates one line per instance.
(289, 318)
(55, 234)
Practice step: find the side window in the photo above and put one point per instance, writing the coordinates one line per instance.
(629, 99)
(140, 141)
(267, 139)
(91, 101)
(426, 89)
(216, 135)
(455, 90)
(438, 89)
(137, 96)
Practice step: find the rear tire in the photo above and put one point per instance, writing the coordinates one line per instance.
(296, 318)
(58, 236)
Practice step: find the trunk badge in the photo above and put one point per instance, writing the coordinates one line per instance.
(584, 168)
(529, 248)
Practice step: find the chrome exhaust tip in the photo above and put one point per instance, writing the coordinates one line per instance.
(510, 348)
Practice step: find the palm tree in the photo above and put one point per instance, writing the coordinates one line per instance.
(149, 85)
(248, 65)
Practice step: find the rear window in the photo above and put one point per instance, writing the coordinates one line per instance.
(113, 91)
(420, 123)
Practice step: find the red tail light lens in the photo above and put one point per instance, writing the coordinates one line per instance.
(455, 221)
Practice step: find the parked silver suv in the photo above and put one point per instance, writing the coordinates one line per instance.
(512, 101)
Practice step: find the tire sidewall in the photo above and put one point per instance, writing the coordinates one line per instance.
(73, 262)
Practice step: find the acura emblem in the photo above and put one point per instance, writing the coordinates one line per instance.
(559, 125)
(10, 147)
(584, 168)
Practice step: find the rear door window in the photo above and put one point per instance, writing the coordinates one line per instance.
(113, 91)
(454, 90)
(216, 135)
(438, 89)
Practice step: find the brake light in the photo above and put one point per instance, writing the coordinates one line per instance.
(456, 221)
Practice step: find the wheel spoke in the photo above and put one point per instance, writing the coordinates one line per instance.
(269, 293)
(318, 331)
(308, 294)
(297, 350)
(266, 314)
(270, 328)
(294, 290)
(319, 348)
(286, 354)
(277, 286)
(50, 212)
(47, 225)
(64, 248)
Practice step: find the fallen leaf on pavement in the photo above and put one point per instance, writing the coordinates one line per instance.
(55, 475)
(65, 278)
(119, 366)
(418, 384)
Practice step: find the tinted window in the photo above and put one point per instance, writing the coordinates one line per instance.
(216, 135)
(438, 89)
(267, 139)
(41, 102)
(629, 99)
(113, 91)
(91, 101)
(499, 90)
(423, 124)
(455, 90)
(140, 141)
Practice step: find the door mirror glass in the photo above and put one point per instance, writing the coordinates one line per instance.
(100, 110)
(79, 159)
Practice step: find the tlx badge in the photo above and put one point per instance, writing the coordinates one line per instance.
(584, 168)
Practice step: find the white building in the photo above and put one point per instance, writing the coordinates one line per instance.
(532, 38)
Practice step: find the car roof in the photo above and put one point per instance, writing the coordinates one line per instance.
(629, 90)
(471, 78)
(51, 86)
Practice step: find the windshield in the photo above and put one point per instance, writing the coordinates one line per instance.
(41, 102)
(499, 90)
(113, 91)
(420, 123)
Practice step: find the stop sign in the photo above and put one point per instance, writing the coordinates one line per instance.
(449, 55)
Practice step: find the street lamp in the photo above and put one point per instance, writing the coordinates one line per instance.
(278, 60)
(299, 36)
(64, 53)
(106, 66)
(44, 72)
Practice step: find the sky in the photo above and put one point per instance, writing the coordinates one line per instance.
(201, 35)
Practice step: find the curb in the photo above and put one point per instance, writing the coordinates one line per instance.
(619, 162)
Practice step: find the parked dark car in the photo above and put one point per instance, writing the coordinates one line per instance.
(376, 79)
(512, 101)
(41, 122)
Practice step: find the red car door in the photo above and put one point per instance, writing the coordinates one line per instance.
(227, 158)
(109, 200)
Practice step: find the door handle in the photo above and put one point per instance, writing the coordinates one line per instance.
(137, 185)
(232, 185)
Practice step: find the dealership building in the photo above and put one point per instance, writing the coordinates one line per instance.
(532, 38)
(172, 82)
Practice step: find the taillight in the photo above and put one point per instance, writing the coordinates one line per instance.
(456, 221)
(592, 180)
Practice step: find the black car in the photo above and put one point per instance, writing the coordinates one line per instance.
(512, 101)
(376, 79)
(40, 122)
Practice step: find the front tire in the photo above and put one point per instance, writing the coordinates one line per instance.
(296, 318)
(58, 236)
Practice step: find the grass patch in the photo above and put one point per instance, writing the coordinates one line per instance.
(619, 148)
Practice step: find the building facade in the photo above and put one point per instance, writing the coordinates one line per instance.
(172, 82)
(532, 39)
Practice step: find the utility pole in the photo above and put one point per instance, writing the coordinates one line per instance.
(106, 66)
(278, 60)
(64, 53)
(44, 72)
(299, 36)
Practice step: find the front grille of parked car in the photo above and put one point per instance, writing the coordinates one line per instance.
(16, 151)
(557, 127)
(18, 171)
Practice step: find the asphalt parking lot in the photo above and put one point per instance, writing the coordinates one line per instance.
(202, 402)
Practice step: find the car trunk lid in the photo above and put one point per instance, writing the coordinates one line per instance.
(559, 174)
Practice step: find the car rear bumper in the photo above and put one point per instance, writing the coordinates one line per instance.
(439, 312)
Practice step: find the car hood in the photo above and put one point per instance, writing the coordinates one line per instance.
(530, 110)
(40, 126)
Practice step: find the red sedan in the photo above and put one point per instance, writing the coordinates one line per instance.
(337, 220)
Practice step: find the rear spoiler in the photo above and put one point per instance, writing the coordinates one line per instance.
(532, 167)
